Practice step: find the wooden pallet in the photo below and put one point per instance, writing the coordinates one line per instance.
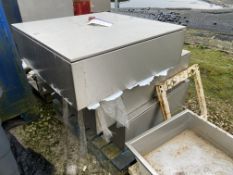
(163, 87)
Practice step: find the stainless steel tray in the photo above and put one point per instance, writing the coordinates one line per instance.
(185, 144)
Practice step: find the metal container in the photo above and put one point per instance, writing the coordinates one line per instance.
(185, 144)
(78, 60)
(14, 90)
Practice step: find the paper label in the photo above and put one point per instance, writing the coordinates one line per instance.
(99, 22)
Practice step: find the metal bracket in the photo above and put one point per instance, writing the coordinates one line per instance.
(163, 87)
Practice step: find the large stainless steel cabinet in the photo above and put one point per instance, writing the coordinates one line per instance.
(86, 64)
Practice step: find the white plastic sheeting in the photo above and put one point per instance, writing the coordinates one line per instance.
(147, 81)
(114, 96)
(110, 98)
(115, 110)
(101, 123)
(93, 106)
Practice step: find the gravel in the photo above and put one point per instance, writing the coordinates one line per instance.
(219, 21)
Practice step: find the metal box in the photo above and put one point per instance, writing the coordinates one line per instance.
(44, 9)
(78, 60)
(185, 144)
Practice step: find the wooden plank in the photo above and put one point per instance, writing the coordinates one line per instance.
(162, 96)
(179, 77)
(200, 94)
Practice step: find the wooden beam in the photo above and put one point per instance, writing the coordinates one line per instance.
(200, 94)
(162, 96)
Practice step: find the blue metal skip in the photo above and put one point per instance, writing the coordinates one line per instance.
(14, 90)
(11, 9)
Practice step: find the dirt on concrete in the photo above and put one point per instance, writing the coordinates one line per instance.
(49, 142)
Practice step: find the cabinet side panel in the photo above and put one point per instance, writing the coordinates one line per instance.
(52, 68)
(101, 76)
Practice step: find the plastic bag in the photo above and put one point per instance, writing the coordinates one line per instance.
(101, 123)
(111, 109)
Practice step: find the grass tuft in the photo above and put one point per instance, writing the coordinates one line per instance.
(217, 77)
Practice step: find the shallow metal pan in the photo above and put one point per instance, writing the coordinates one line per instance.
(162, 134)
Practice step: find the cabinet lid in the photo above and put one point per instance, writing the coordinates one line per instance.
(75, 40)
